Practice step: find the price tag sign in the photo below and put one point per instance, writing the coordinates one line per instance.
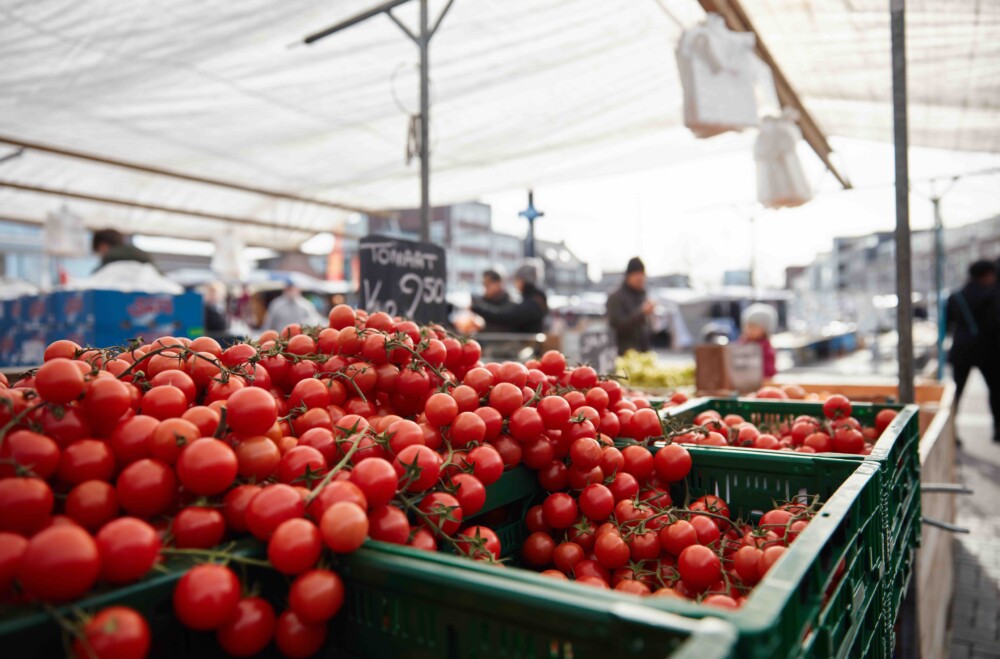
(746, 366)
(598, 349)
(404, 278)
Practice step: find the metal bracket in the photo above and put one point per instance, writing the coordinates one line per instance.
(948, 488)
(943, 525)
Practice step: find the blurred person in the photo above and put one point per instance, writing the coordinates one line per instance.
(214, 299)
(111, 246)
(526, 316)
(494, 294)
(288, 308)
(972, 315)
(759, 322)
(629, 309)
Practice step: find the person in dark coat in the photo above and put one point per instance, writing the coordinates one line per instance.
(973, 317)
(526, 316)
(110, 245)
(496, 296)
(629, 309)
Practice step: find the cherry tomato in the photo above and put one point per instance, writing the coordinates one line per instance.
(198, 528)
(596, 502)
(388, 524)
(250, 630)
(60, 564)
(25, 504)
(84, 460)
(672, 463)
(442, 511)
(270, 507)
(59, 381)
(28, 450)
(251, 411)
(234, 506)
(116, 632)
(560, 510)
(377, 479)
(611, 551)
(699, 566)
(344, 527)
(316, 596)
(91, 504)
(295, 546)
(298, 639)
(479, 542)
(207, 466)
(207, 597)
(470, 492)
(129, 548)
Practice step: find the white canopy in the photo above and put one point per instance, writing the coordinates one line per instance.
(524, 92)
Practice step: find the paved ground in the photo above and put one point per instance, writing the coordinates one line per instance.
(976, 607)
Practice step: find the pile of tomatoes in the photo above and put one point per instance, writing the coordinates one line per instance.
(837, 431)
(310, 441)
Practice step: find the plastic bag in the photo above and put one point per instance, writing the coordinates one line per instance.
(781, 181)
(719, 74)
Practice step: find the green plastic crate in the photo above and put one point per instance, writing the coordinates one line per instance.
(786, 615)
(896, 451)
(404, 602)
(28, 631)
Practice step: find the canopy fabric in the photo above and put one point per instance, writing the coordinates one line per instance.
(524, 92)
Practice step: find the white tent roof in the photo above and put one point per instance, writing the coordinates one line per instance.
(524, 92)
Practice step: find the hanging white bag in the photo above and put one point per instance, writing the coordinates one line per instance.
(719, 73)
(781, 181)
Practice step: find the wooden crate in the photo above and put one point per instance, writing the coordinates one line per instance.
(935, 567)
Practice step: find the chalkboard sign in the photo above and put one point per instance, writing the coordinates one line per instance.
(598, 349)
(403, 278)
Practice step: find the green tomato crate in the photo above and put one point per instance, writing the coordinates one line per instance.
(402, 602)
(896, 451)
(802, 608)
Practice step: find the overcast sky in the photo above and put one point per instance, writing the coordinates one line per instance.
(695, 217)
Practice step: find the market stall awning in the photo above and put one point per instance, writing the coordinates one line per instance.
(524, 92)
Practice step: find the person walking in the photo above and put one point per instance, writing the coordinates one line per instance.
(111, 246)
(629, 309)
(526, 316)
(289, 308)
(972, 315)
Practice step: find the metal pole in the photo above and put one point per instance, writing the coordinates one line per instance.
(904, 283)
(939, 298)
(529, 246)
(425, 129)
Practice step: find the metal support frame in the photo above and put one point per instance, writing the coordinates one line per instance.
(904, 275)
(939, 298)
(26, 145)
(909, 629)
(118, 201)
(422, 38)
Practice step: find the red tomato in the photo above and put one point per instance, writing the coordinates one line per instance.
(301, 464)
(316, 596)
(270, 507)
(768, 558)
(560, 510)
(479, 542)
(538, 549)
(836, 407)
(164, 402)
(470, 492)
(250, 630)
(611, 551)
(645, 424)
(251, 411)
(59, 381)
(207, 597)
(91, 504)
(25, 504)
(344, 527)
(566, 555)
(296, 638)
(28, 450)
(207, 466)
(526, 423)
(746, 561)
(467, 428)
(441, 409)
(442, 511)
(116, 632)
(84, 460)
(389, 524)
(699, 567)
(198, 528)
(295, 546)
(146, 488)
(555, 412)
(234, 506)
(883, 419)
(59, 564)
(129, 548)
(596, 502)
